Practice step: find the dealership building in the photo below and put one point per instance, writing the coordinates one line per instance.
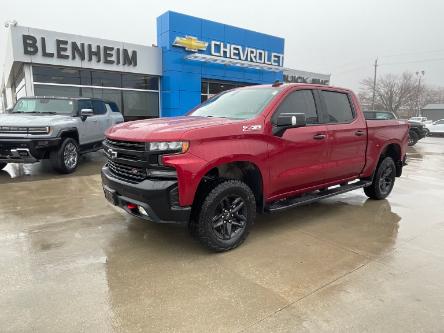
(193, 59)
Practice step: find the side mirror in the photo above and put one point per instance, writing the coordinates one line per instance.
(85, 113)
(285, 121)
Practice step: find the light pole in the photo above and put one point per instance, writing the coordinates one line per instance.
(419, 74)
(374, 85)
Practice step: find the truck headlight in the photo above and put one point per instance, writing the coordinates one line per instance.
(39, 130)
(169, 146)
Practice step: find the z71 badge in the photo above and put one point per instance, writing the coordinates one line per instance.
(249, 128)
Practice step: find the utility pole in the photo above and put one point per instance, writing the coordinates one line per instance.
(420, 75)
(374, 85)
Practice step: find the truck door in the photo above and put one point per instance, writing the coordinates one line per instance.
(347, 136)
(87, 127)
(101, 118)
(297, 157)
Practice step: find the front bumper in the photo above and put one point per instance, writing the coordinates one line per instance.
(159, 198)
(14, 150)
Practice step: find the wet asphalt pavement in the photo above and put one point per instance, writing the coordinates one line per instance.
(70, 262)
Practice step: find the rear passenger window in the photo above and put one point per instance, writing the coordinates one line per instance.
(113, 106)
(300, 101)
(338, 107)
(99, 107)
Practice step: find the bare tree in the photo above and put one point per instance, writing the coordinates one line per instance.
(393, 92)
(432, 95)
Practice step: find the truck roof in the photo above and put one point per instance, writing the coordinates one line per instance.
(303, 85)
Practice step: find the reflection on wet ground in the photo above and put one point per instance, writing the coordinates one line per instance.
(89, 164)
(70, 262)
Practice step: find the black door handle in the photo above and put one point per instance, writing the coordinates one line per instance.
(359, 133)
(319, 136)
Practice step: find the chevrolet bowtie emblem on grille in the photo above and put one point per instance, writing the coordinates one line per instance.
(190, 43)
(112, 154)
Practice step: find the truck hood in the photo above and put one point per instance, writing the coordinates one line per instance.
(31, 120)
(163, 128)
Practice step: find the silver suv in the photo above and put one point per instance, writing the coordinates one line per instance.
(56, 128)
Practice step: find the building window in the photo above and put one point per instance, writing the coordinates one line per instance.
(56, 91)
(51, 74)
(139, 103)
(209, 88)
(135, 81)
(136, 95)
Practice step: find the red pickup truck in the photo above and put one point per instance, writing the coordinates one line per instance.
(250, 150)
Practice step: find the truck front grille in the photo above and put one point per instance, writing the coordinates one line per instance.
(129, 145)
(127, 172)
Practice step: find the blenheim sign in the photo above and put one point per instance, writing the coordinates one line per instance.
(64, 49)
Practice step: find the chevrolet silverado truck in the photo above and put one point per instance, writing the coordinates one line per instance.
(56, 128)
(257, 149)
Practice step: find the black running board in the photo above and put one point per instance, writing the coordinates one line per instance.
(281, 205)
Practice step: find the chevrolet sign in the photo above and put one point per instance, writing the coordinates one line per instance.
(249, 54)
(231, 51)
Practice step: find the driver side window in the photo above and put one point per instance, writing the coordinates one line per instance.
(84, 104)
(300, 101)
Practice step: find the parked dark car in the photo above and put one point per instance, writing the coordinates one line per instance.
(417, 129)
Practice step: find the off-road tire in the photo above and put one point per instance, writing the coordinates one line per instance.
(2, 165)
(213, 206)
(413, 138)
(385, 172)
(58, 160)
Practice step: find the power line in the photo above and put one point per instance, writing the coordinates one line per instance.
(391, 64)
(355, 68)
(412, 53)
(412, 62)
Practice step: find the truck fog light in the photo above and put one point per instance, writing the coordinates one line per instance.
(142, 210)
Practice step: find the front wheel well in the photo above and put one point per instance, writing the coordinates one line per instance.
(393, 150)
(244, 171)
(70, 133)
(73, 134)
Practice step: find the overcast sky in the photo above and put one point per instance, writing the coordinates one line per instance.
(340, 37)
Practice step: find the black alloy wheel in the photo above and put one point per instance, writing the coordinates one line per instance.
(229, 217)
(387, 179)
(225, 215)
(383, 180)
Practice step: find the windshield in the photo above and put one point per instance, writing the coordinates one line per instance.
(44, 105)
(237, 104)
